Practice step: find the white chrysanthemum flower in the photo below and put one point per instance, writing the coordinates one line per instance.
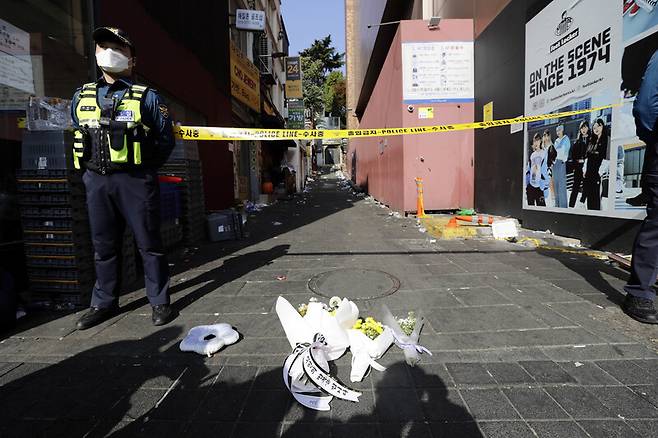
(334, 302)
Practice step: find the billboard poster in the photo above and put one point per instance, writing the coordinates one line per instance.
(438, 72)
(579, 164)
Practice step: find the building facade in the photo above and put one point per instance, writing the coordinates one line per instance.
(258, 164)
(528, 60)
(185, 50)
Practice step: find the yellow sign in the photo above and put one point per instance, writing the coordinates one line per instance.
(294, 89)
(487, 112)
(203, 133)
(245, 80)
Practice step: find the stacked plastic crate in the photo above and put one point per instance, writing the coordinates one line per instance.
(170, 214)
(184, 163)
(57, 241)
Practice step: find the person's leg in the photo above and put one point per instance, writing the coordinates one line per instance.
(577, 181)
(106, 231)
(539, 194)
(591, 190)
(138, 199)
(620, 176)
(530, 195)
(644, 264)
(560, 177)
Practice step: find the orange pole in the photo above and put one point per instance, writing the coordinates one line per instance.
(477, 219)
(420, 207)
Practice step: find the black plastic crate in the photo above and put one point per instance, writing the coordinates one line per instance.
(224, 225)
(68, 174)
(58, 262)
(80, 275)
(58, 249)
(47, 150)
(52, 199)
(51, 224)
(55, 236)
(172, 235)
(77, 213)
(48, 186)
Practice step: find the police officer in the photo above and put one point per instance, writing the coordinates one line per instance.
(640, 295)
(123, 135)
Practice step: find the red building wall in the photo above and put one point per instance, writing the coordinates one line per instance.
(444, 160)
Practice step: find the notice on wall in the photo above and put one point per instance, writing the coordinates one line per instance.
(426, 112)
(15, 62)
(573, 61)
(487, 112)
(437, 72)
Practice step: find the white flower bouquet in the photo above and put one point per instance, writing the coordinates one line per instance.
(406, 333)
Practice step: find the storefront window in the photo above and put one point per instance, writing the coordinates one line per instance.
(44, 47)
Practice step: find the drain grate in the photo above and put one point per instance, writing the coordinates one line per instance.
(355, 284)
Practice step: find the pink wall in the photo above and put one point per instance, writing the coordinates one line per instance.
(444, 161)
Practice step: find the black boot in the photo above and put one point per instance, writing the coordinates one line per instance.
(640, 200)
(96, 315)
(640, 309)
(162, 314)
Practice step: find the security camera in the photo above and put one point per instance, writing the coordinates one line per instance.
(410, 108)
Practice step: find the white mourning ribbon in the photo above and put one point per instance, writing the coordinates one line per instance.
(306, 375)
(409, 344)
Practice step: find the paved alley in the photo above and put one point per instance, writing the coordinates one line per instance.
(525, 342)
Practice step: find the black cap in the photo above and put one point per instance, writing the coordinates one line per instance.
(113, 34)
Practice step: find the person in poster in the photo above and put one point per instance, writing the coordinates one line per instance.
(537, 174)
(578, 152)
(596, 153)
(562, 147)
(551, 155)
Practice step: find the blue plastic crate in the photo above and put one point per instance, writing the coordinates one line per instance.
(170, 202)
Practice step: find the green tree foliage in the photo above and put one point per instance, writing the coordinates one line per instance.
(324, 87)
(335, 100)
(313, 85)
(321, 50)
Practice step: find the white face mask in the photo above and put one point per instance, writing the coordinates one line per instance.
(112, 61)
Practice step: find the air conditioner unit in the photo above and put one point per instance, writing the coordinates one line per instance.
(265, 52)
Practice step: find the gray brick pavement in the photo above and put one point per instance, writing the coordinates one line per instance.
(526, 343)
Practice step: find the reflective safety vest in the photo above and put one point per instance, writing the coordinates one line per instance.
(110, 139)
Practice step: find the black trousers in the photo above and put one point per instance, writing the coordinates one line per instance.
(535, 196)
(644, 265)
(592, 191)
(114, 200)
(577, 182)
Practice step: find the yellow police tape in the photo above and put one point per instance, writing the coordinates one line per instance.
(209, 133)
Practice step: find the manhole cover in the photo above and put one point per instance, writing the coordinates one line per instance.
(355, 284)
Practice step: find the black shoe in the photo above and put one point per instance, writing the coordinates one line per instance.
(640, 309)
(162, 314)
(638, 201)
(96, 315)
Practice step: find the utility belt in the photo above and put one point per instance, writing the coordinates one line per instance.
(108, 145)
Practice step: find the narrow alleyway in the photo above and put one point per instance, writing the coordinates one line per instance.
(525, 343)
